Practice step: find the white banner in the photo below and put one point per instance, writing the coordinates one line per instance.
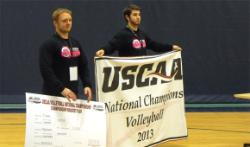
(56, 122)
(144, 97)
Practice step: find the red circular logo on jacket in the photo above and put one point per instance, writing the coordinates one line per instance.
(136, 44)
(65, 52)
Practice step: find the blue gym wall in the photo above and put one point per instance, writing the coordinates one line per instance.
(214, 35)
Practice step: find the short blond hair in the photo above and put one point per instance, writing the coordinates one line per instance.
(58, 12)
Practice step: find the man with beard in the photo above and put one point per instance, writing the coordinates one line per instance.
(62, 60)
(132, 41)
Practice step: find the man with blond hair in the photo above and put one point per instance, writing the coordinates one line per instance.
(62, 60)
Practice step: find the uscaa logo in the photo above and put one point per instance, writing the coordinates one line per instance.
(98, 107)
(35, 100)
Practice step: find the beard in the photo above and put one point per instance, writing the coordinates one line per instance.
(135, 22)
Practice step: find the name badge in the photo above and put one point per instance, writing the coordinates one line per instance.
(73, 73)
